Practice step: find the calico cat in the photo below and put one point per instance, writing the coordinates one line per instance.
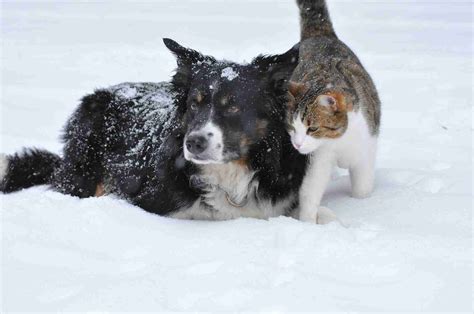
(333, 112)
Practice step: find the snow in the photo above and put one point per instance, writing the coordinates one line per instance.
(406, 248)
(229, 73)
(150, 104)
(126, 91)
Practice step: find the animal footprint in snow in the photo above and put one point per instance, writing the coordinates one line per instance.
(430, 185)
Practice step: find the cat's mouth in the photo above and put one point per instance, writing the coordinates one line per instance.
(301, 148)
(304, 150)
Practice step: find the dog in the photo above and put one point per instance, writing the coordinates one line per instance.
(211, 144)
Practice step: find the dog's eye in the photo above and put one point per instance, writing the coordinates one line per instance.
(233, 109)
(193, 106)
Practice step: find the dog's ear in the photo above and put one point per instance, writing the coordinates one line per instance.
(277, 69)
(184, 55)
(187, 59)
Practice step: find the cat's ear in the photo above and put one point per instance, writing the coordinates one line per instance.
(296, 89)
(335, 101)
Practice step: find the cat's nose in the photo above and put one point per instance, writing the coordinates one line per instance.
(296, 145)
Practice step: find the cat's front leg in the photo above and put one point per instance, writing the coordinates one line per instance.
(314, 185)
(362, 178)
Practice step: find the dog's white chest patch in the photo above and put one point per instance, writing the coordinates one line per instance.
(233, 195)
(231, 179)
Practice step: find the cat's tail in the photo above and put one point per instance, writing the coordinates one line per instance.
(28, 168)
(314, 19)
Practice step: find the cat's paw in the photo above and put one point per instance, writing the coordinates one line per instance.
(309, 215)
(361, 192)
(321, 216)
(325, 216)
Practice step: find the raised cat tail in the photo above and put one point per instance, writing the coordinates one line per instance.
(314, 19)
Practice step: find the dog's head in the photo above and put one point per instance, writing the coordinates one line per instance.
(228, 107)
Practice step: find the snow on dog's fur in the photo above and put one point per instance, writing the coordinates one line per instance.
(209, 145)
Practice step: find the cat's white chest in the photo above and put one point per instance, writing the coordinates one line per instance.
(356, 143)
(354, 150)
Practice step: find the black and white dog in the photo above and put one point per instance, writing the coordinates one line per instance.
(211, 144)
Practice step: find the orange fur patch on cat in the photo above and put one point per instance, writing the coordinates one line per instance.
(340, 102)
(326, 117)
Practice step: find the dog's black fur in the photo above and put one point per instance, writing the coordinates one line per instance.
(130, 137)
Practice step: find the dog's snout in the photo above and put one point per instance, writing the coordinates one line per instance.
(204, 145)
(196, 144)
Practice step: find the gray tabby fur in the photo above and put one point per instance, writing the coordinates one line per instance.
(327, 64)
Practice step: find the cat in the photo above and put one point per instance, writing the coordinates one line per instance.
(333, 112)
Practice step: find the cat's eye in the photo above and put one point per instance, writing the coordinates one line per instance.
(332, 128)
(313, 129)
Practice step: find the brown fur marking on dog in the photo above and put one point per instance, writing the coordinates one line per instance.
(198, 97)
(261, 126)
(99, 190)
(243, 162)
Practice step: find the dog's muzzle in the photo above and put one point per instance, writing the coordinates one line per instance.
(196, 144)
(205, 145)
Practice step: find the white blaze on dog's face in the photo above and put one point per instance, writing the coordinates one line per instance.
(204, 140)
(204, 145)
(222, 119)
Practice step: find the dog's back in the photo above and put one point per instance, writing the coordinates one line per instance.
(128, 140)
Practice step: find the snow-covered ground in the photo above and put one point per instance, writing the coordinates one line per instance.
(408, 247)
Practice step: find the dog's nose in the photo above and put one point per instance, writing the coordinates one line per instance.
(196, 144)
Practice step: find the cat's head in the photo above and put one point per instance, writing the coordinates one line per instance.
(315, 117)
